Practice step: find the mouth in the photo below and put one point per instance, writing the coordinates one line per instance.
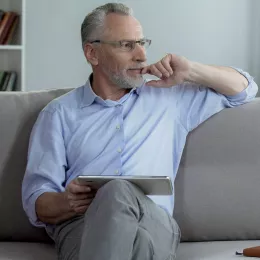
(136, 70)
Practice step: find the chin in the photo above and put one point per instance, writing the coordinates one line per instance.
(126, 81)
(134, 83)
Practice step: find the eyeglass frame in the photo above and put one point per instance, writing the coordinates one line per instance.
(119, 43)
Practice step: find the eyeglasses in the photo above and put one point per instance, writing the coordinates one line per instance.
(126, 45)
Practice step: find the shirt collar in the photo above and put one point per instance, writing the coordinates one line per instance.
(89, 95)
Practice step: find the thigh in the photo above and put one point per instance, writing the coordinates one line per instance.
(67, 237)
(163, 230)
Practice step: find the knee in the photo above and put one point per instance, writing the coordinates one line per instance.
(118, 187)
(120, 190)
(116, 184)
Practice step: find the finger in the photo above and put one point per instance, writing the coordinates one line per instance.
(162, 69)
(145, 70)
(155, 83)
(76, 188)
(154, 71)
(80, 196)
(93, 186)
(80, 203)
(80, 183)
(166, 64)
(73, 205)
(81, 210)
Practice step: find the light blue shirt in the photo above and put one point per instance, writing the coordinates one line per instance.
(143, 133)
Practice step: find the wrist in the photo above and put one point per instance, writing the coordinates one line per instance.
(192, 74)
(65, 211)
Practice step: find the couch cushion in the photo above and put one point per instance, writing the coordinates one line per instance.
(214, 250)
(26, 251)
(18, 112)
(217, 185)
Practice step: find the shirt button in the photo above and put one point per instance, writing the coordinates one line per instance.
(116, 171)
(119, 150)
(118, 127)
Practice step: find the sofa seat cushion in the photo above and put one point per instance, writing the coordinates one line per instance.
(27, 251)
(219, 250)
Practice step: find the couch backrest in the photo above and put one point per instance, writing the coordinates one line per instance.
(218, 183)
(18, 112)
(217, 186)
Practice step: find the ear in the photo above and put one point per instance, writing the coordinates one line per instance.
(91, 54)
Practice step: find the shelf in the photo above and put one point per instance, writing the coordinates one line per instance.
(11, 61)
(11, 47)
(12, 55)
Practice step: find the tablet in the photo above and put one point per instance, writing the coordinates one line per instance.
(150, 185)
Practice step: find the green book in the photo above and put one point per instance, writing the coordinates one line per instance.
(2, 13)
(4, 86)
(2, 79)
(11, 82)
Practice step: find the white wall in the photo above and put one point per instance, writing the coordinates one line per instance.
(222, 32)
(254, 61)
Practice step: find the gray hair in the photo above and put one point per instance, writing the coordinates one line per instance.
(93, 24)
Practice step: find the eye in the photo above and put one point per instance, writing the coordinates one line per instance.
(127, 44)
(142, 42)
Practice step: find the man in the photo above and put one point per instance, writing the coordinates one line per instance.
(119, 124)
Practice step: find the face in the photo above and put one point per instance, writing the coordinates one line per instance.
(122, 68)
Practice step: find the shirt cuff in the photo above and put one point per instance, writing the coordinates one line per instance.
(241, 96)
(31, 209)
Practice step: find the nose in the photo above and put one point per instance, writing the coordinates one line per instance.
(139, 53)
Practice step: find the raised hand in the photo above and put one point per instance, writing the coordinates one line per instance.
(171, 70)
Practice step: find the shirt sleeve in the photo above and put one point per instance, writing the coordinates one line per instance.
(196, 103)
(46, 162)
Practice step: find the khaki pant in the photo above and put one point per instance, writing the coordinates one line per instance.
(120, 224)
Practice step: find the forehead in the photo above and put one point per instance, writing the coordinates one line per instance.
(118, 27)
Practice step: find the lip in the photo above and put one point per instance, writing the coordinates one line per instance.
(136, 70)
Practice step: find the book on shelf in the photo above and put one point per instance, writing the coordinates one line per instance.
(8, 24)
(7, 80)
(1, 15)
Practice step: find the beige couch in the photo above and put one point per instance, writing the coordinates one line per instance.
(217, 187)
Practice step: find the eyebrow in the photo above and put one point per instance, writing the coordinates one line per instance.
(132, 39)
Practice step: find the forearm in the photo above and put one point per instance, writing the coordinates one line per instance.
(53, 208)
(224, 80)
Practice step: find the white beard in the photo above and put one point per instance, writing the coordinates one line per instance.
(124, 81)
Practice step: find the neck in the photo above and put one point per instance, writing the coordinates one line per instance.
(105, 89)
